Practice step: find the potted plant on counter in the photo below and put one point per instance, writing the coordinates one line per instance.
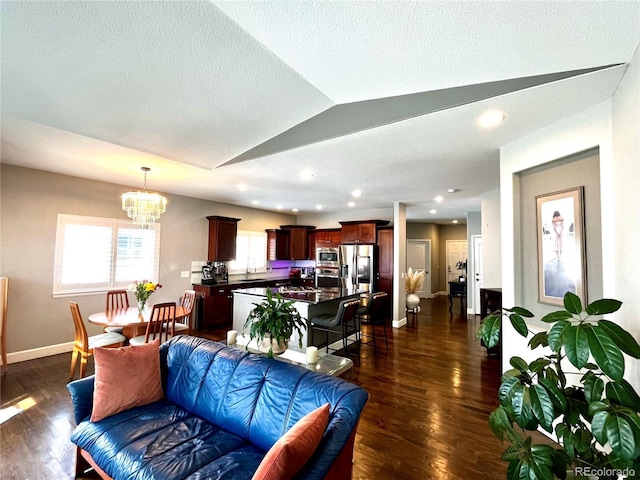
(591, 408)
(272, 322)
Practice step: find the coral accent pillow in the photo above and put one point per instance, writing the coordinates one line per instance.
(289, 454)
(126, 377)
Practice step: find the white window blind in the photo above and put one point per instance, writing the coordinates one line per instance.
(97, 254)
(251, 252)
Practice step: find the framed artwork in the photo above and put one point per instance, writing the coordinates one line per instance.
(561, 245)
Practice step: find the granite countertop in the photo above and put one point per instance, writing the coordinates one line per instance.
(245, 282)
(323, 294)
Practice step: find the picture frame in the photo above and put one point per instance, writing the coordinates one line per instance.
(561, 245)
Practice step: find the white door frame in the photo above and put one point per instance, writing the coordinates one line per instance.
(448, 244)
(427, 262)
(475, 272)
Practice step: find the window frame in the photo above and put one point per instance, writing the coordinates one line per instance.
(116, 225)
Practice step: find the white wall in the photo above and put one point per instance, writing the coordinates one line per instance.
(612, 127)
(491, 240)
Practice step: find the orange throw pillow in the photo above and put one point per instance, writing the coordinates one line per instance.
(289, 454)
(126, 377)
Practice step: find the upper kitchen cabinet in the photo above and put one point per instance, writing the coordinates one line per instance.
(298, 241)
(222, 238)
(361, 231)
(328, 237)
(278, 244)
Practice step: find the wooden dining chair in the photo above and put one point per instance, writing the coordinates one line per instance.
(4, 291)
(83, 345)
(161, 324)
(183, 324)
(116, 299)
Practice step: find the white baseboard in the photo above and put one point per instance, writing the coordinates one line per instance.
(40, 352)
(399, 323)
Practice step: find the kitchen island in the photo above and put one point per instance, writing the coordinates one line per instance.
(308, 302)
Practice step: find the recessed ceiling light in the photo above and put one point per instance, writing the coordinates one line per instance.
(306, 175)
(490, 119)
(432, 211)
(352, 204)
(439, 198)
(294, 209)
(242, 187)
(318, 207)
(356, 193)
(279, 207)
(452, 190)
(255, 202)
(454, 221)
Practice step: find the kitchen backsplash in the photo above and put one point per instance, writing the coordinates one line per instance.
(276, 269)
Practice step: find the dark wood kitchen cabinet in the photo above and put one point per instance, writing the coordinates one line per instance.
(328, 237)
(360, 231)
(384, 275)
(222, 238)
(298, 241)
(278, 244)
(217, 305)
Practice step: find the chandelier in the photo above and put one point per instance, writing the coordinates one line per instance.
(144, 207)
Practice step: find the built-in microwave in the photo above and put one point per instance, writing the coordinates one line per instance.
(327, 257)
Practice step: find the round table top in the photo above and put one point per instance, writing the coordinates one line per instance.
(127, 317)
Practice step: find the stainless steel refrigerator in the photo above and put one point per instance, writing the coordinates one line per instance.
(357, 266)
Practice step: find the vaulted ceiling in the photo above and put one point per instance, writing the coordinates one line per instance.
(377, 96)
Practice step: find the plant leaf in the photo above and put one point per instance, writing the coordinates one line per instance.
(519, 363)
(603, 306)
(499, 422)
(556, 316)
(542, 406)
(572, 303)
(489, 330)
(556, 395)
(593, 387)
(539, 364)
(597, 426)
(523, 312)
(606, 353)
(623, 393)
(621, 338)
(540, 338)
(555, 335)
(504, 392)
(519, 324)
(576, 345)
(620, 436)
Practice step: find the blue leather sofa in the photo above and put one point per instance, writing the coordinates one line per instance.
(223, 409)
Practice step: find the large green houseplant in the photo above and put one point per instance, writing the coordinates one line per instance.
(274, 321)
(595, 416)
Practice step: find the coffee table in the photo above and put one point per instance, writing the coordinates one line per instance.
(327, 363)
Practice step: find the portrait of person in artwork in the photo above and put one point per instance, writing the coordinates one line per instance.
(559, 277)
(558, 225)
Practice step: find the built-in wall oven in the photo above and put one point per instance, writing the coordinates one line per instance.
(327, 267)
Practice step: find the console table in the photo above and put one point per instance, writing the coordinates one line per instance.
(457, 289)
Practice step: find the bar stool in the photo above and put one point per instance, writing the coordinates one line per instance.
(371, 314)
(338, 323)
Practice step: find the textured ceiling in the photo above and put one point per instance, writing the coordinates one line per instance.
(98, 89)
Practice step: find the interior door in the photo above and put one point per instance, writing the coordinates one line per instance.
(456, 252)
(419, 259)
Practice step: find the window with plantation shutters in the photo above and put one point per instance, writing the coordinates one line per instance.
(251, 252)
(98, 254)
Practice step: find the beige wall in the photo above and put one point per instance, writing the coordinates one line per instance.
(30, 202)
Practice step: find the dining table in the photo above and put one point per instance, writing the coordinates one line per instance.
(132, 321)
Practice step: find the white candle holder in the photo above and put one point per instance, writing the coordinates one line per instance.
(232, 337)
(312, 355)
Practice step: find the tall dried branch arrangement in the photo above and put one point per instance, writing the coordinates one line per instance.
(414, 281)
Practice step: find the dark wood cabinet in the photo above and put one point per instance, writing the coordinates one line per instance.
(278, 244)
(298, 239)
(217, 305)
(384, 276)
(222, 238)
(490, 302)
(360, 231)
(328, 237)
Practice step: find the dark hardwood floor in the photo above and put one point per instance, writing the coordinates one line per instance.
(430, 397)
